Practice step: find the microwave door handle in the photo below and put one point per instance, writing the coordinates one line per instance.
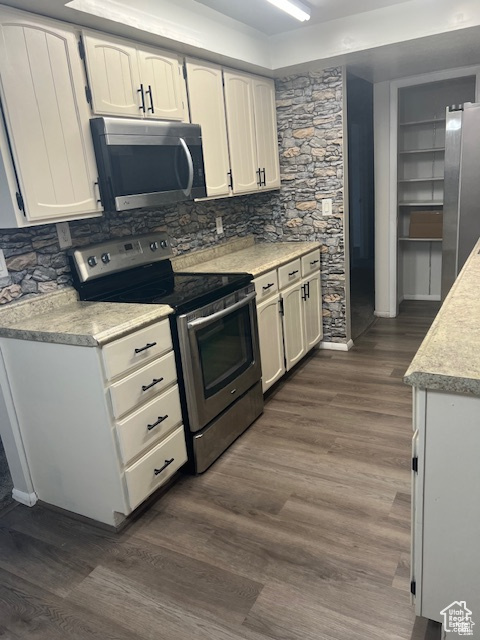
(188, 155)
(201, 322)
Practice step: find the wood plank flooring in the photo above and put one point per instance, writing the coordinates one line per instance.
(301, 531)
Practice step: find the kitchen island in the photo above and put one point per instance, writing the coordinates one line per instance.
(445, 375)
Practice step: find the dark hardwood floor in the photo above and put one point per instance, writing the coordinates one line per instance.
(301, 531)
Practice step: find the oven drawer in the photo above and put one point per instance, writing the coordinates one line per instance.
(152, 422)
(311, 262)
(156, 467)
(266, 285)
(136, 349)
(288, 273)
(142, 385)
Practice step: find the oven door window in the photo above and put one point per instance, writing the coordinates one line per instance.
(225, 350)
(147, 168)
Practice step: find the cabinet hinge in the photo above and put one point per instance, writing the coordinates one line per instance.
(20, 202)
(413, 588)
(81, 48)
(415, 464)
(281, 308)
(88, 94)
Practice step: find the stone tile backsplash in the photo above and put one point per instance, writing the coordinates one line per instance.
(310, 126)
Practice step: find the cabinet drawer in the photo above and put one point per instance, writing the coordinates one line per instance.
(311, 262)
(144, 427)
(136, 348)
(266, 285)
(142, 385)
(289, 273)
(156, 467)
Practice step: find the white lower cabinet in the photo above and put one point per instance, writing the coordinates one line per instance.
(312, 309)
(271, 341)
(445, 564)
(293, 325)
(101, 429)
(289, 310)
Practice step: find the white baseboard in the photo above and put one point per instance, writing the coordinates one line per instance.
(336, 346)
(420, 296)
(28, 499)
(383, 314)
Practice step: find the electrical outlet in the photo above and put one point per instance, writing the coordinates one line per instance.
(219, 223)
(3, 266)
(63, 233)
(327, 206)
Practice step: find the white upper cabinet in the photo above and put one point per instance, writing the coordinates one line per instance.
(241, 131)
(161, 74)
(266, 131)
(207, 108)
(134, 81)
(113, 75)
(252, 131)
(47, 119)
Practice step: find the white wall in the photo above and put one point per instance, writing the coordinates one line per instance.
(397, 23)
(183, 22)
(385, 257)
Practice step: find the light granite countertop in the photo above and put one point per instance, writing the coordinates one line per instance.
(256, 259)
(449, 357)
(63, 319)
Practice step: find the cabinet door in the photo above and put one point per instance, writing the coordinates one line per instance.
(47, 117)
(312, 310)
(207, 108)
(241, 131)
(293, 325)
(162, 78)
(114, 77)
(271, 341)
(266, 131)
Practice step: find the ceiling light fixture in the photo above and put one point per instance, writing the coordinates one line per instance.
(294, 8)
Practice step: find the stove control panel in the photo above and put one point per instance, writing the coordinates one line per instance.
(118, 255)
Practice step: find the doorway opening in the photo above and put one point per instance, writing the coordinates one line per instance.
(361, 203)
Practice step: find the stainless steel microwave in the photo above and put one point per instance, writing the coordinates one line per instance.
(145, 163)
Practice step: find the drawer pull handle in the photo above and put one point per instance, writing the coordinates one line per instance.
(155, 381)
(155, 424)
(292, 273)
(268, 286)
(314, 262)
(149, 345)
(157, 472)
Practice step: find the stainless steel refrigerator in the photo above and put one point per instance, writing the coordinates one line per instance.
(461, 208)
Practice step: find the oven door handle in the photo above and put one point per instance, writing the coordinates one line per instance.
(201, 322)
(188, 155)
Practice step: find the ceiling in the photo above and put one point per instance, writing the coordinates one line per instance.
(264, 17)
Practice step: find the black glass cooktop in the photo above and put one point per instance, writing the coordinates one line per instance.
(182, 291)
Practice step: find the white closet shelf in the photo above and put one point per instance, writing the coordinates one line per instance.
(430, 203)
(413, 123)
(431, 150)
(405, 239)
(422, 180)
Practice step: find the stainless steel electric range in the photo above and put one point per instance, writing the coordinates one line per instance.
(214, 330)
